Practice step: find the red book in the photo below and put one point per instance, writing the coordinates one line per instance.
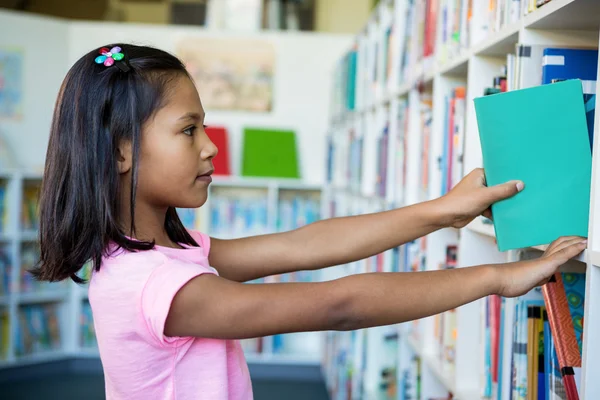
(430, 25)
(219, 137)
(563, 332)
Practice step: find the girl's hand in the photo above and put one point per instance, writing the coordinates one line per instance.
(471, 198)
(518, 278)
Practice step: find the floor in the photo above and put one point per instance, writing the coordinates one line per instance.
(91, 387)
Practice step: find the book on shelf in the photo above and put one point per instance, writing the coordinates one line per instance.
(187, 217)
(29, 212)
(3, 208)
(382, 161)
(86, 326)
(297, 209)
(445, 327)
(388, 383)
(410, 379)
(527, 146)
(30, 256)
(6, 268)
(426, 119)
(243, 213)
(38, 329)
(451, 160)
(4, 333)
(220, 137)
(400, 152)
(269, 153)
(546, 343)
(564, 298)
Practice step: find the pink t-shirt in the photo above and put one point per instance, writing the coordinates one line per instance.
(130, 298)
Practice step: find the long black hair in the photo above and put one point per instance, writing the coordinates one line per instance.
(98, 108)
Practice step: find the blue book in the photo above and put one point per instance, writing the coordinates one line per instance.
(564, 64)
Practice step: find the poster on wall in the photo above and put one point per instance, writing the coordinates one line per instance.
(231, 74)
(11, 84)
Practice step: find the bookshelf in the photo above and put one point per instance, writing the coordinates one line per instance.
(388, 147)
(62, 309)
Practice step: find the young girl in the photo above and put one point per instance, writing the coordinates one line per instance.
(127, 146)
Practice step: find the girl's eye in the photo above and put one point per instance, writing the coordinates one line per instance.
(189, 131)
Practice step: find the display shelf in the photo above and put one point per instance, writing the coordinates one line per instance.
(583, 257)
(594, 257)
(50, 296)
(456, 67)
(28, 236)
(423, 88)
(36, 358)
(282, 359)
(565, 15)
(87, 352)
(482, 228)
(6, 237)
(500, 43)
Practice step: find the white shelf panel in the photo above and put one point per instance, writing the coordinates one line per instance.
(459, 66)
(6, 237)
(484, 229)
(279, 359)
(565, 15)
(583, 257)
(445, 376)
(88, 352)
(594, 257)
(28, 236)
(263, 183)
(415, 346)
(42, 297)
(32, 175)
(36, 358)
(500, 43)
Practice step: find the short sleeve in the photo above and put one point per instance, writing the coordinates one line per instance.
(160, 290)
(203, 240)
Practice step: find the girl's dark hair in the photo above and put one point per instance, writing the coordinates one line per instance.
(97, 108)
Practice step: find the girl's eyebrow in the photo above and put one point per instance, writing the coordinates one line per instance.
(191, 115)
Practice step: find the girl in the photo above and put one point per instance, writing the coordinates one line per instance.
(127, 146)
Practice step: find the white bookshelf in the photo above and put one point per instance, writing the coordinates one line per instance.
(303, 349)
(557, 23)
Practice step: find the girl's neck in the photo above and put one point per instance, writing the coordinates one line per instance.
(149, 223)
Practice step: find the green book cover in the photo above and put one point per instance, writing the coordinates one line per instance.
(270, 153)
(537, 135)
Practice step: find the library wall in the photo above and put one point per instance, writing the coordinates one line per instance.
(303, 68)
(45, 64)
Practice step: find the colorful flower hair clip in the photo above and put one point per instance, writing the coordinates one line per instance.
(109, 56)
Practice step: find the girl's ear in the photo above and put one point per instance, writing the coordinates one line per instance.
(124, 156)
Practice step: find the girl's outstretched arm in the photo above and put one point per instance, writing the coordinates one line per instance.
(212, 307)
(341, 240)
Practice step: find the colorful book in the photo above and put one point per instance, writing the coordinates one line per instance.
(270, 153)
(564, 296)
(519, 144)
(220, 137)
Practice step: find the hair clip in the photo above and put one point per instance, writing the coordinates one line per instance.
(109, 56)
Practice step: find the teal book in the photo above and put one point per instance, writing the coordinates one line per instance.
(539, 136)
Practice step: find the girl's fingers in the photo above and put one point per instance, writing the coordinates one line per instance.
(561, 243)
(567, 252)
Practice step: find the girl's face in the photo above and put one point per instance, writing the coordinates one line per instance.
(176, 155)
